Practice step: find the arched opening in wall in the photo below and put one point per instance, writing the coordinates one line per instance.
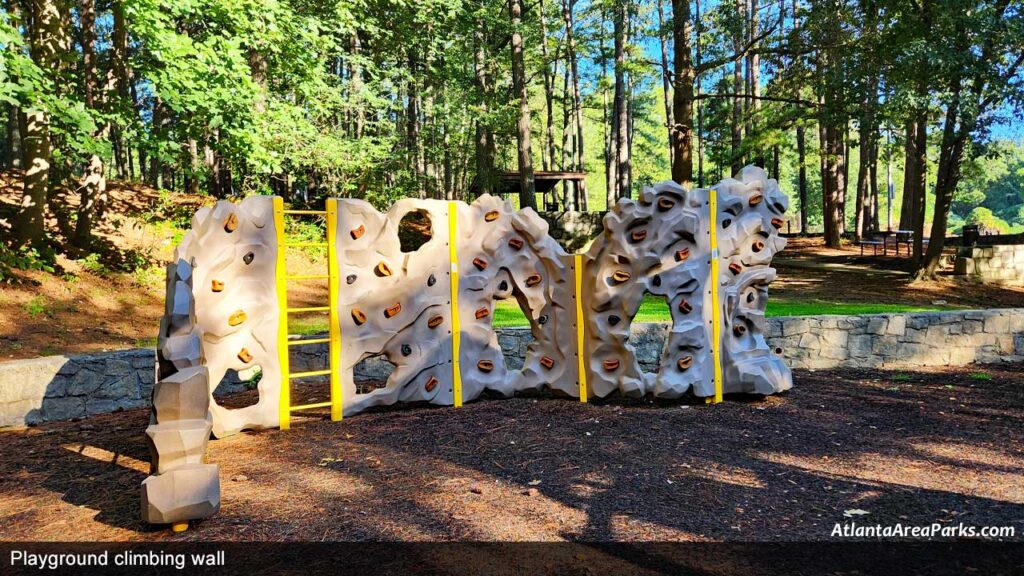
(237, 389)
(414, 230)
(372, 373)
(649, 325)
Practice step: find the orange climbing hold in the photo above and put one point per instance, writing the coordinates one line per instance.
(621, 276)
(639, 235)
(547, 362)
(685, 362)
(735, 268)
(231, 223)
(665, 204)
(237, 318)
(685, 307)
(480, 264)
(244, 355)
(431, 384)
(393, 311)
(610, 365)
(777, 223)
(383, 269)
(516, 243)
(755, 200)
(435, 321)
(682, 255)
(491, 216)
(357, 233)
(533, 280)
(358, 316)
(482, 313)
(216, 286)
(485, 365)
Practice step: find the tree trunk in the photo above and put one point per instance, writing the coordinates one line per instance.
(577, 105)
(527, 190)
(548, 159)
(737, 103)
(621, 120)
(801, 152)
(666, 81)
(921, 184)
(682, 94)
(48, 42)
(908, 202)
(486, 150)
(93, 184)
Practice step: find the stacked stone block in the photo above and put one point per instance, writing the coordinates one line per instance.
(1001, 264)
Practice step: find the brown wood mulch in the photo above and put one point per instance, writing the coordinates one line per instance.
(915, 448)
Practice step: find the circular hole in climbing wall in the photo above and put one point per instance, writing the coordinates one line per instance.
(414, 230)
(372, 373)
(648, 327)
(237, 389)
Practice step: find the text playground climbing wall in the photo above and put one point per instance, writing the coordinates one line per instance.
(429, 312)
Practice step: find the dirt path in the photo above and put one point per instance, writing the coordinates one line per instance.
(920, 448)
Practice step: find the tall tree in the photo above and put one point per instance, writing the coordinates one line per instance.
(527, 188)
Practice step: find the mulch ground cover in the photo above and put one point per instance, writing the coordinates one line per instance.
(872, 447)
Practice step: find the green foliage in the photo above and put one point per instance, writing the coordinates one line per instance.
(986, 221)
(980, 376)
(35, 307)
(23, 258)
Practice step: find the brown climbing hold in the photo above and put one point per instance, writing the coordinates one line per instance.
(739, 329)
(665, 204)
(639, 235)
(621, 276)
(610, 365)
(237, 318)
(685, 362)
(735, 268)
(485, 365)
(491, 216)
(682, 255)
(431, 384)
(777, 223)
(533, 280)
(757, 246)
(755, 200)
(231, 223)
(480, 264)
(244, 355)
(357, 233)
(435, 321)
(516, 243)
(216, 286)
(382, 269)
(482, 312)
(547, 362)
(393, 311)
(685, 307)
(358, 316)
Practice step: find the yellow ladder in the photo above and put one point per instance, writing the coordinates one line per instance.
(284, 343)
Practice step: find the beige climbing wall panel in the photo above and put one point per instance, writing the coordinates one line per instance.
(661, 244)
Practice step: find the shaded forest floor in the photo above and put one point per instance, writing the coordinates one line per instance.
(112, 297)
(914, 448)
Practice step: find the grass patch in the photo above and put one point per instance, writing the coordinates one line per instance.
(35, 306)
(654, 309)
(308, 325)
(980, 376)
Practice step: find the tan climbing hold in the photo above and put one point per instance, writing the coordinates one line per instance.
(547, 362)
(735, 268)
(231, 223)
(756, 199)
(533, 280)
(393, 311)
(685, 307)
(431, 384)
(665, 204)
(480, 264)
(739, 329)
(757, 246)
(244, 355)
(491, 216)
(435, 321)
(179, 527)
(639, 235)
(216, 286)
(682, 255)
(610, 365)
(516, 243)
(485, 365)
(357, 233)
(237, 318)
(777, 223)
(482, 312)
(621, 276)
(358, 316)
(383, 269)
(685, 362)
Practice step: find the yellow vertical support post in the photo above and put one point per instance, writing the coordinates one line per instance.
(716, 309)
(580, 327)
(333, 276)
(280, 272)
(453, 257)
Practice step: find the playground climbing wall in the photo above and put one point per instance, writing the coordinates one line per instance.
(706, 251)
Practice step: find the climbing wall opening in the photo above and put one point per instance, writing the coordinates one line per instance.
(653, 310)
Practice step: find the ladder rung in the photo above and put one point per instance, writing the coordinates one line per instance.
(306, 244)
(311, 406)
(309, 374)
(308, 277)
(309, 341)
(308, 309)
(307, 212)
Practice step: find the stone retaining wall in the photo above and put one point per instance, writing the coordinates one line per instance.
(61, 388)
(1001, 264)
